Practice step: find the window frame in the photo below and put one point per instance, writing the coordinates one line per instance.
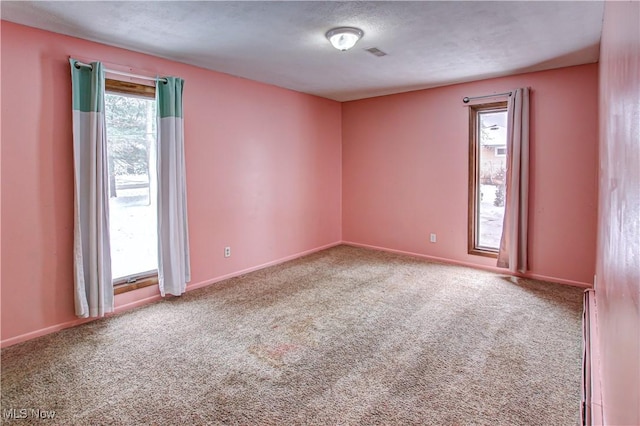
(147, 278)
(474, 179)
(134, 282)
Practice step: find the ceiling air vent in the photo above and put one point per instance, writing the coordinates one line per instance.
(375, 51)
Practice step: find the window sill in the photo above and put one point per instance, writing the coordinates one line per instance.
(125, 287)
(485, 253)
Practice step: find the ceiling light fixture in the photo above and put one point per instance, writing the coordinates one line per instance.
(344, 38)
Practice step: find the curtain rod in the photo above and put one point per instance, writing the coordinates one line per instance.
(79, 64)
(467, 99)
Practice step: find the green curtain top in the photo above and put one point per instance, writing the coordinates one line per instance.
(87, 86)
(169, 96)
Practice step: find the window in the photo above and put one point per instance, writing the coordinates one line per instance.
(487, 177)
(130, 113)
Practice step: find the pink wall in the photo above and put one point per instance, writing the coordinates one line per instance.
(274, 173)
(263, 174)
(405, 171)
(0, 175)
(618, 254)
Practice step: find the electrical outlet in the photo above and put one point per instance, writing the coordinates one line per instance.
(227, 252)
(432, 238)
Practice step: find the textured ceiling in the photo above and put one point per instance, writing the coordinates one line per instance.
(428, 44)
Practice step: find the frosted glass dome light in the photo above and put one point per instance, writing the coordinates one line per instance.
(344, 38)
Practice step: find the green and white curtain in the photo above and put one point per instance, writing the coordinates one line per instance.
(91, 249)
(173, 240)
(93, 291)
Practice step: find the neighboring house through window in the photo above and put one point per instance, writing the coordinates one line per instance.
(487, 174)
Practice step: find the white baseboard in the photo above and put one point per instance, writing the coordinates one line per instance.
(474, 265)
(262, 266)
(144, 301)
(592, 410)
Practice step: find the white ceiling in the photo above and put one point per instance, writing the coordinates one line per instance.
(428, 44)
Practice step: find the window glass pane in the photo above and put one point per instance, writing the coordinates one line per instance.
(131, 145)
(492, 166)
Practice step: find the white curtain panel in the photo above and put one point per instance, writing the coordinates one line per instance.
(91, 249)
(513, 245)
(173, 239)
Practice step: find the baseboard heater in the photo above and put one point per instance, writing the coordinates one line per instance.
(589, 362)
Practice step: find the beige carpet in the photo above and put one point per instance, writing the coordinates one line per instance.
(344, 336)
